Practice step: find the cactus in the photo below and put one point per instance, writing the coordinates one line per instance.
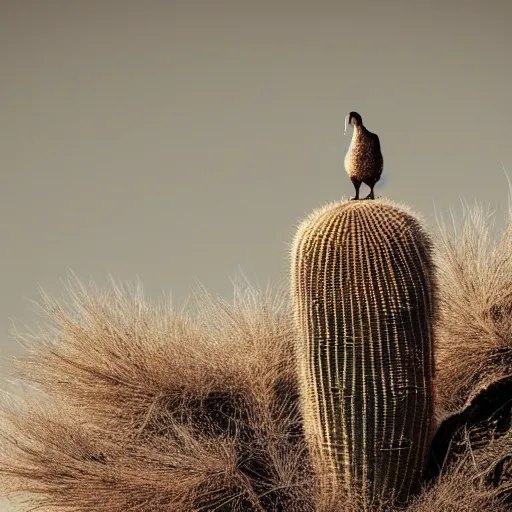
(363, 294)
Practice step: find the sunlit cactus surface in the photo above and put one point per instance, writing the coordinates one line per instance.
(364, 299)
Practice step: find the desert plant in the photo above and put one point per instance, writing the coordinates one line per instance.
(152, 409)
(474, 336)
(363, 290)
(474, 344)
(139, 407)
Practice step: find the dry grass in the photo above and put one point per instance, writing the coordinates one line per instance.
(155, 410)
(146, 409)
(475, 333)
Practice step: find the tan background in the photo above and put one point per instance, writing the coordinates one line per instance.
(177, 140)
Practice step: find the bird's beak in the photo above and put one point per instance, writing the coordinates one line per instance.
(346, 125)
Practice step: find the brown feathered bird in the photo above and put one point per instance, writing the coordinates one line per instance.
(363, 161)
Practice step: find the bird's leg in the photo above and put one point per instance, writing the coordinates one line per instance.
(356, 184)
(370, 195)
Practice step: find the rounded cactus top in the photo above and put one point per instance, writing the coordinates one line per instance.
(382, 217)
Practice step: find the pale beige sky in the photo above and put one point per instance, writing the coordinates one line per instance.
(178, 140)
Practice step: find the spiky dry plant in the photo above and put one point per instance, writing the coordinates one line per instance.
(146, 409)
(155, 410)
(473, 478)
(474, 342)
(474, 347)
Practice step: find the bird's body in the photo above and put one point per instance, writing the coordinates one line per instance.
(363, 161)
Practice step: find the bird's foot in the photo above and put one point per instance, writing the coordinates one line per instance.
(354, 198)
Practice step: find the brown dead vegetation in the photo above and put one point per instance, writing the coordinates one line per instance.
(475, 333)
(146, 409)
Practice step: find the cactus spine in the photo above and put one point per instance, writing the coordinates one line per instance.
(363, 294)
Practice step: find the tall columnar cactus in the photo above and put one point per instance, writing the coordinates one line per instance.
(363, 292)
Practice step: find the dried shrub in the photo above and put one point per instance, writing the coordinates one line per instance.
(474, 346)
(142, 408)
(158, 410)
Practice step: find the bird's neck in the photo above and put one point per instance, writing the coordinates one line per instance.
(358, 130)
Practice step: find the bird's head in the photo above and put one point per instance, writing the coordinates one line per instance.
(354, 119)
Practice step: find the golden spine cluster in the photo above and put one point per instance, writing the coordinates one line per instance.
(363, 292)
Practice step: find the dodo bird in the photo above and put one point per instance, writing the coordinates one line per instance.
(363, 161)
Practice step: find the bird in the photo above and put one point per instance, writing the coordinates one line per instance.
(363, 161)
